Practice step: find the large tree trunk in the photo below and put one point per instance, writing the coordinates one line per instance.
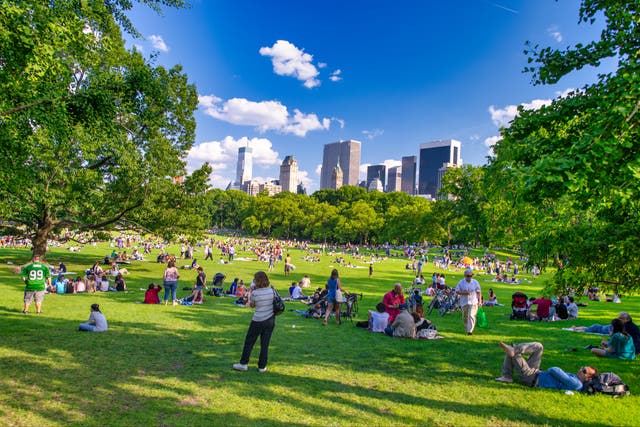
(45, 225)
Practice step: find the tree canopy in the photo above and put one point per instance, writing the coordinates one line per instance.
(90, 132)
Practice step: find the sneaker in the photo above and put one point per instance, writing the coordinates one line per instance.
(240, 367)
(504, 380)
(262, 370)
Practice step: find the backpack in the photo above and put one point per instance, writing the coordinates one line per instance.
(607, 383)
(561, 311)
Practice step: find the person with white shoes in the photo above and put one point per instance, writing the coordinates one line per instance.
(262, 324)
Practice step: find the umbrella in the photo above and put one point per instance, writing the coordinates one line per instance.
(467, 260)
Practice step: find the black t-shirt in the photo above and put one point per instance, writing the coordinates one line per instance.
(201, 280)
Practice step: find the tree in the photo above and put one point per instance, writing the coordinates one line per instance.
(90, 132)
(578, 159)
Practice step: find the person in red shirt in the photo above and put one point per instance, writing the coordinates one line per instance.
(151, 295)
(392, 301)
(543, 311)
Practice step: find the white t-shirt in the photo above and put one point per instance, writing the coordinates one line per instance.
(99, 321)
(471, 286)
(379, 321)
(297, 292)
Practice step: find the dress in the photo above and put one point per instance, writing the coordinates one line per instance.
(332, 286)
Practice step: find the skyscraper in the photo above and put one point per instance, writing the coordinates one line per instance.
(408, 184)
(347, 155)
(377, 171)
(244, 170)
(336, 178)
(434, 156)
(289, 174)
(394, 179)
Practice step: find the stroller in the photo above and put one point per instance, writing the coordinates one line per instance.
(216, 285)
(518, 306)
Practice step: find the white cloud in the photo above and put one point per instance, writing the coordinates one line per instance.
(555, 33)
(264, 115)
(319, 169)
(223, 155)
(340, 122)
(390, 163)
(490, 143)
(373, 133)
(158, 43)
(288, 60)
(138, 47)
(474, 137)
(335, 76)
(322, 65)
(503, 116)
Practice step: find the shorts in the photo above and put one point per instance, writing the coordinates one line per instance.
(199, 288)
(31, 295)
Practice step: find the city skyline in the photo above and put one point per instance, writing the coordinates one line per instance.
(270, 74)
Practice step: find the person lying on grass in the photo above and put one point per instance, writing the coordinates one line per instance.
(529, 373)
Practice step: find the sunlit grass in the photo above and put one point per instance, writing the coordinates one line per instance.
(172, 365)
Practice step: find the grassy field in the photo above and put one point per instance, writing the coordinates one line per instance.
(164, 365)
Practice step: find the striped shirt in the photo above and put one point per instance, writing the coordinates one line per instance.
(263, 300)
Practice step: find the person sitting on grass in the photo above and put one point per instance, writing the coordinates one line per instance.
(151, 295)
(631, 328)
(403, 326)
(121, 285)
(492, 299)
(378, 319)
(620, 344)
(96, 323)
(529, 373)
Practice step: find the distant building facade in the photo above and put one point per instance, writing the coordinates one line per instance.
(336, 178)
(435, 158)
(376, 171)
(244, 169)
(289, 174)
(408, 183)
(394, 179)
(346, 154)
(375, 185)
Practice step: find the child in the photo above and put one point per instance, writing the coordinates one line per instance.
(96, 323)
(151, 295)
(416, 299)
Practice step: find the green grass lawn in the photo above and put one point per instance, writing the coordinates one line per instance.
(164, 365)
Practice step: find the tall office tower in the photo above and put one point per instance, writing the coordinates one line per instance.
(433, 157)
(408, 184)
(377, 171)
(336, 178)
(289, 174)
(244, 169)
(345, 153)
(394, 179)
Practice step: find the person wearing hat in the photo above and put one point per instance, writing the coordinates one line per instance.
(403, 326)
(468, 289)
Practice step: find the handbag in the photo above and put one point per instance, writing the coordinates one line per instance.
(339, 296)
(278, 304)
(482, 318)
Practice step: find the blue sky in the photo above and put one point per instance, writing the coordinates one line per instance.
(291, 76)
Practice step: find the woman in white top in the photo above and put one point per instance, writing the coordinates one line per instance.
(96, 323)
(262, 324)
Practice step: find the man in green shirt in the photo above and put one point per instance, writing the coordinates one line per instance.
(36, 277)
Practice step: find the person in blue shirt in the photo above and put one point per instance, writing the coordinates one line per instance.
(529, 373)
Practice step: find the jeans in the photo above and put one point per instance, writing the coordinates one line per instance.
(264, 329)
(87, 327)
(170, 287)
(527, 369)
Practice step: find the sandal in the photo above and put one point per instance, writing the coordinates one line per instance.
(324, 322)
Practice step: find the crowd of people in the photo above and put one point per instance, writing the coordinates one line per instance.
(395, 315)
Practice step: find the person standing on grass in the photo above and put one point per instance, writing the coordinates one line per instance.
(96, 323)
(262, 324)
(470, 296)
(171, 276)
(36, 277)
(333, 284)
